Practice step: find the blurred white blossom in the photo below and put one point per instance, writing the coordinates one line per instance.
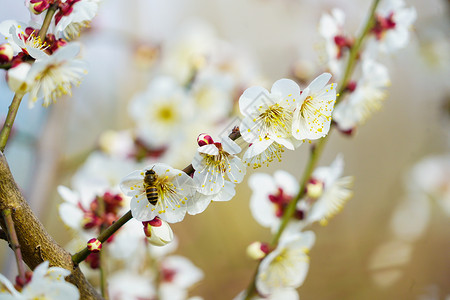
(45, 283)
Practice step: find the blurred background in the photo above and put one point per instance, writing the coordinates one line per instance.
(391, 241)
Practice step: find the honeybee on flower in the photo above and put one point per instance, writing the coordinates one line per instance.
(174, 188)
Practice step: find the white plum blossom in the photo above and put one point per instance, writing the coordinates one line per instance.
(312, 115)
(287, 265)
(17, 78)
(392, 24)
(97, 180)
(270, 197)
(268, 120)
(46, 283)
(23, 37)
(188, 52)
(131, 286)
(215, 162)
(161, 111)
(326, 194)
(331, 29)
(52, 76)
(430, 178)
(74, 16)
(334, 192)
(365, 99)
(212, 94)
(177, 274)
(174, 188)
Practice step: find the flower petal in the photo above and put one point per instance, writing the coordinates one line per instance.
(287, 91)
(236, 170)
(132, 184)
(319, 82)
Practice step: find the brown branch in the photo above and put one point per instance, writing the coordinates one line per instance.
(36, 244)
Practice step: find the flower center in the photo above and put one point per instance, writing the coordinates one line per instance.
(275, 150)
(166, 113)
(164, 187)
(383, 24)
(276, 120)
(102, 212)
(220, 161)
(167, 275)
(281, 202)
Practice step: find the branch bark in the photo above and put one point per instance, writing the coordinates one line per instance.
(35, 242)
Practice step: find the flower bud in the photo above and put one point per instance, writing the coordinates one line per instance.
(351, 86)
(17, 77)
(6, 53)
(257, 250)
(38, 6)
(204, 139)
(158, 232)
(94, 245)
(314, 188)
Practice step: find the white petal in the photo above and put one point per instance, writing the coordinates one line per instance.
(250, 130)
(226, 193)
(198, 203)
(9, 286)
(141, 209)
(236, 170)
(262, 182)
(209, 149)
(208, 180)
(287, 91)
(250, 98)
(257, 148)
(319, 82)
(230, 146)
(186, 272)
(68, 195)
(133, 183)
(71, 215)
(287, 182)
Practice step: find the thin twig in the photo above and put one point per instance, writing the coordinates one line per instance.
(83, 254)
(354, 50)
(14, 107)
(12, 112)
(14, 242)
(80, 256)
(318, 147)
(103, 273)
(47, 20)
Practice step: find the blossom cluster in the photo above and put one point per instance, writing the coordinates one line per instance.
(389, 33)
(46, 65)
(285, 117)
(284, 268)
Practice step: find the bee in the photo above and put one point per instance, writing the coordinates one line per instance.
(150, 186)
